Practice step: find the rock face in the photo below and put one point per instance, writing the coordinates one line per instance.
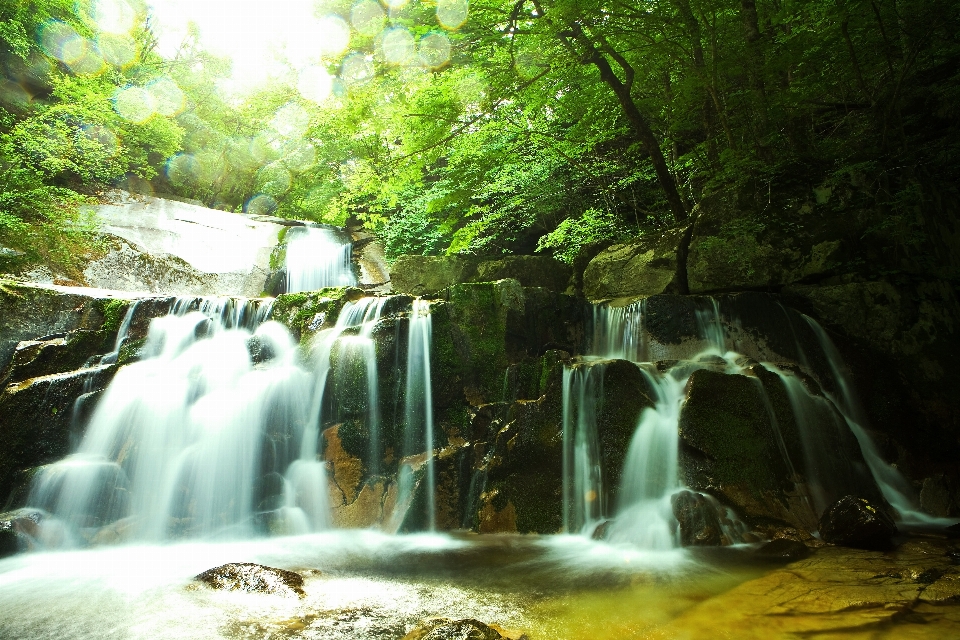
(855, 522)
(642, 268)
(427, 275)
(253, 578)
(468, 629)
(741, 442)
(165, 246)
(698, 518)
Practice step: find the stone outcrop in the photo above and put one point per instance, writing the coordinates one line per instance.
(428, 275)
(637, 269)
(854, 522)
(253, 578)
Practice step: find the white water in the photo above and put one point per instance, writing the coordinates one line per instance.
(176, 445)
(317, 258)
(418, 408)
(643, 515)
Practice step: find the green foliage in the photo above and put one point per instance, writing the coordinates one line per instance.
(573, 234)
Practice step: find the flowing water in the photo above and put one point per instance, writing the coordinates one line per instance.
(643, 515)
(177, 443)
(316, 258)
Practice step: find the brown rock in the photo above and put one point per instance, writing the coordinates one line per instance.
(253, 578)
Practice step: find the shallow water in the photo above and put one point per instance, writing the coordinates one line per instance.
(363, 584)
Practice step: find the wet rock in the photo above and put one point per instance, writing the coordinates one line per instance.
(782, 550)
(35, 420)
(30, 311)
(838, 593)
(306, 313)
(467, 629)
(67, 352)
(698, 518)
(642, 268)
(253, 578)
(855, 522)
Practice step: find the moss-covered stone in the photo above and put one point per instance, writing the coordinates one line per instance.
(645, 267)
(30, 311)
(36, 358)
(35, 420)
(427, 275)
(530, 271)
(478, 333)
(304, 314)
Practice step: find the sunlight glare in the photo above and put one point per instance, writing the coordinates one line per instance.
(113, 16)
(451, 14)
(367, 17)
(258, 37)
(134, 104)
(168, 99)
(435, 50)
(118, 50)
(397, 45)
(315, 84)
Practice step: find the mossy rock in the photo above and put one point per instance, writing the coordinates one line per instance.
(427, 275)
(35, 420)
(29, 311)
(530, 271)
(645, 267)
(306, 313)
(477, 316)
(37, 358)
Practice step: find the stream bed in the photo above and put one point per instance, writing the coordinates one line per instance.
(363, 584)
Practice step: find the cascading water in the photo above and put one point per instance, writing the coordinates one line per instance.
(176, 446)
(582, 489)
(317, 258)
(643, 513)
(418, 409)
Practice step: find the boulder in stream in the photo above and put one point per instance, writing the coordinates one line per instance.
(253, 578)
(467, 629)
(855, 522)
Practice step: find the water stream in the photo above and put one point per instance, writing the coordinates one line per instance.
(316, 258)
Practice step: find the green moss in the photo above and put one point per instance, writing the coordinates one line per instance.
(307, 312)
(113, 311)
(130, 352)
(278, 257)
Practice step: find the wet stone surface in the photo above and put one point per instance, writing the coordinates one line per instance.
(250, 577)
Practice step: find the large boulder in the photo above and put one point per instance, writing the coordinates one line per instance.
(734, 247)
(855, 522)
(645, 267)
(34, 311)
(36, 421)
(166, 246)
(427, 275)
(253, 578)
(743, 440)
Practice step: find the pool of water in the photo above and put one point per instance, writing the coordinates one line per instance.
(362, 584)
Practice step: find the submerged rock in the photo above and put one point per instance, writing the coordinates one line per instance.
(253, 578)
(854, 522)
(782, 550)
(698, 518)
(467, 629)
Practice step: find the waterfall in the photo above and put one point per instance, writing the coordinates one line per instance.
(650, 475)
(643, 513)
(317, 258)
(582, 488)
(894, 486)
(418, 409)
(178, 444)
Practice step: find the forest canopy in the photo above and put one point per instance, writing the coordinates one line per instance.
(485, 127)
